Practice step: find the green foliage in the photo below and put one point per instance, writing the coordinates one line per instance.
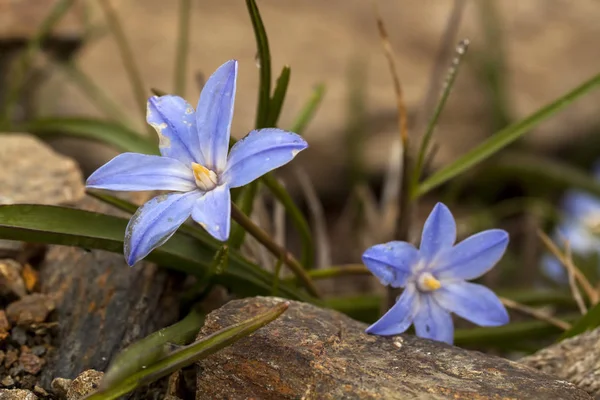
(590, 321)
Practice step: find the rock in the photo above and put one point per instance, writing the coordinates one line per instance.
(11, 281)
(316, 353)
(16, 394)
(31, 309)
(60, 386)
(11, 357)
(19, 335)
(7, 381)
(31, 363)
(33, 173)
(4, 325)
(84, 384)
(575, 359)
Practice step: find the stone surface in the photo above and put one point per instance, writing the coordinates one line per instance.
(16, 394)
(33, 173)
(575, 359)
(312, 353)
(31, 309)
(84, 384)
(11, 281)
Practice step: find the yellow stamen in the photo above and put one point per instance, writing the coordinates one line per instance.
(428, 283)
(205, 178)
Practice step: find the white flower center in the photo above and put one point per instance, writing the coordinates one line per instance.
(206, 179)
(427, 282)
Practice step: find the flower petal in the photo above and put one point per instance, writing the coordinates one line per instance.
(580, 205)
(214, 114)
(472, 302)
(155, 222)
(554, 269)
(433, 322)
(174, 120)
(213, 212)
(391, 262)
(473, 257)
(439, 232)
(581, 238)
(136, 172)
(260, 152)
(400, 316)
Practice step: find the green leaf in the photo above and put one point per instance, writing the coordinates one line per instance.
(189, 354)
(308, 111)
(71, 227)
(152, 348)
(264, 64)
(183, 41)
(503, 138)
(94, 129)
(591, 320)
(278, 96)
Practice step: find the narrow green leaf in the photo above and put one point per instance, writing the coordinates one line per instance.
(183, 42)
(71, 227)
(94, 129)
(190, 354)
(264, 65)
(278, 96)
(505, 137)
(591, 320)
(152, 348)
(308, 111)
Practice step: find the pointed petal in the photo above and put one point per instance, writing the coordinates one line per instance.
(439, 232)
(155, 222)
(260, 152)
(400, 316)
(580, 205)
(214, 114)
(554, 269)
(213, 212)
(391, 262)
(136, 172)
(174, 120)
(473, 257)
(472, 302)
(433, 322)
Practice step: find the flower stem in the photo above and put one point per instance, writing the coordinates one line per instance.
(263, 238)
(182, 47)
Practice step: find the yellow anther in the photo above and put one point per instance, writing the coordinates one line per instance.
(205, 178)
(428, 283)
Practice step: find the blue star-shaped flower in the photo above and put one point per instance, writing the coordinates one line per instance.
(434, 279)
(193, 164)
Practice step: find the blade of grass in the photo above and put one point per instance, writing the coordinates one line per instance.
(183, 41)
(308, 111)
(591, 320)
(505, 137)
(264, 64)
(190, 354)
(276, 103)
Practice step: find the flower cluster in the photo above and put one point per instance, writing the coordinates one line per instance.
(198, 170)
(581, 227)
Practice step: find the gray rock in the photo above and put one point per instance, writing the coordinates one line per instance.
(575, 359)
(86, 383)
(16, 394)
(315, 353)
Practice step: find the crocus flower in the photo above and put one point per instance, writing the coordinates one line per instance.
(434, 279)
(581, 227)
(193, 165)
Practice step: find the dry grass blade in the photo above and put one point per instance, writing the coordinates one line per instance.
(318, 216)
(568, 264)
(538, 314)
(279, 221)
(573, 282)
(389, 55)
(390, 197)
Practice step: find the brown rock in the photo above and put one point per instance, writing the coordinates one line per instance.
(33, 173)
(4, 325)
(31, 309)
(321, 354)
(11, 357)
(84, 384)
(60, 386)
(575, 359)
(11, 282)
(16, 394)
(31, 363)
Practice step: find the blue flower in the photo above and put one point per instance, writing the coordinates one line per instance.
(581, 227)
(194, 165)
(434, 279)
